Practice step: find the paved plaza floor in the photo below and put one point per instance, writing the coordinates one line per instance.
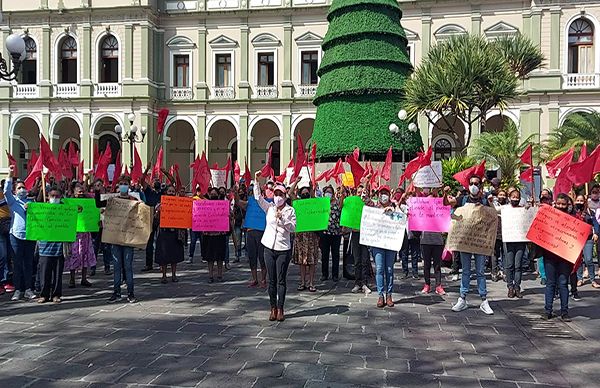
(193, 333)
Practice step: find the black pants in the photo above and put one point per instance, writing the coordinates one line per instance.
(51, 269)
(513, 263)
(330, 243)
(150, 249)
(362, 260)
(256, 251)
(432, 253)
(347, 259)
(277, 266)
(455, 268)
(498, 256)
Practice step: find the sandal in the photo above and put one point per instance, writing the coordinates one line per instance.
(312, 289)
(579, 283)
(595, 285)
(301, 287)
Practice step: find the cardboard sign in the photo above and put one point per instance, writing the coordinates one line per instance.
(304, 177)
(210, 216)
(348, 179)
(352, 212)
(518, 222)
(176, 212)
(256, 218)
(127, 223)
(51, 222)
(88, 220)
(429, 176)
(559, 233)
(475, 232)
(104, 197)
(428, 214)
(218, 178)
(381, 230)
(312, 214)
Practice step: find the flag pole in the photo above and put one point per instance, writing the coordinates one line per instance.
(43, 185)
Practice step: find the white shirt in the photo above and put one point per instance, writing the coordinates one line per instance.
(278, 230)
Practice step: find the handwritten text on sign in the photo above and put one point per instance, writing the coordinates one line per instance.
(210, 216)
(176, 212)
(516, 223)
(50, 222)
(559, 233)
(429, 176)
(127, 223)
(381, 230)
(312, 214)
(428, 214)
(218, 178)
(475, 232)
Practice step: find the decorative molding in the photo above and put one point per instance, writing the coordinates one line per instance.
(449, 30)
(266, 40)
(411, 35)
(309, 39)
(223, 42)
(500, 29)
(180, 42)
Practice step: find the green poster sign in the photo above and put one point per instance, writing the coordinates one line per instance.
(49, 222)
(352, 212)
(312, 214)
(88, 220)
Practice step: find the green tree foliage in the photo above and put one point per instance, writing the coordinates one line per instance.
(453, 165)
(578, 128)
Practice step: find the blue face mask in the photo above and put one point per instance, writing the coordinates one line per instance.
(123, 189)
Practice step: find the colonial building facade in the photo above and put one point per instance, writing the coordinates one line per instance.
(238, 76)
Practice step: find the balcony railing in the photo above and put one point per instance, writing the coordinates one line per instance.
(581, 81)
(25, 91)
(66, 90)
(307, 90)
(223, 93)
(107, 90)
(265, 91)
(181, 94)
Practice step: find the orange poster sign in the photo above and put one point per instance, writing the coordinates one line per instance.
(559, 233)
(176, 212)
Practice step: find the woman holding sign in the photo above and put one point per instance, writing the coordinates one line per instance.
(281, 223)
(169, 244)
(587, 215)
(513, 255)
(216, 245)
(82, 251)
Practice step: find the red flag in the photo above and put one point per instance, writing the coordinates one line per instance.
(337, 170)
(386, 170)
(137, 169)
(103, 162)
(562, 185)
(203, 176)
(96, 155)
(126, 173)
(175, 173)
(583, 154)
(80, 171)
(357, 170)
(281, 178)
(65, 165)
(236, 172)
(267, 170)
(527, 156)
(73, 155)
(312, 162)
(12, 162)
(422, 160)
(583, 172)
(32, 160)
(324, 175)
(247, 175)
(356, 153)
(156, 170)
(300, 158)
(463, 176)
(48, 158)
(162, 118)
(374, 182)
(227, 169)
(195, 163)
(35, 173)
(560, 162)
(118, 170)
(527, 175)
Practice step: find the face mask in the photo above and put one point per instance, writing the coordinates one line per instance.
(54, 200)
(214, 197)
(123, 189)
(545, 200)
(305, 195)
(563, 209)
(279, 201)
(22, 193)
(474, 189)
(579, 207)
(384, 198)
(515, 202)
(328, 194)
(502, 201)
(157, 186)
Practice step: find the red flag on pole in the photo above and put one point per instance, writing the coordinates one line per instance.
(73, 155)
(422, 160)
(300, 158)
(48, 157)
(527, 175)
(137, 169)
(96, 155)
(80, 171)
(247, 175)
(267, 171)
(562, 185)
(386, 170)
(65, 165)
(175, 174)
(203, 176)
(126, 173)
(583, 172)
(227, 170)
(12, 162)
(463, 176)
(35, 173)
(356, 153)
(312, 162)
(103, 162)
(32, 160)
(117, 173)
(162, 118)
(560, 162)
(527, 156)
(236, 172)
(156, 170)
(281, 178)
(583, 154)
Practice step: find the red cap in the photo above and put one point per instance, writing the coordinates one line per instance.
(384, 188)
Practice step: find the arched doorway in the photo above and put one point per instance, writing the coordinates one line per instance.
(104, 134)
(496, 123)
(222, 137)
(25, 139)
(452, 129)
(264, 134)
(305, 130)
(181, 148)
(64, 128)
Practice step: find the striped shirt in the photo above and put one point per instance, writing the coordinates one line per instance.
(52, 249)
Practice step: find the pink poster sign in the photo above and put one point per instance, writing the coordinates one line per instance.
(210, 216)
(428, 214)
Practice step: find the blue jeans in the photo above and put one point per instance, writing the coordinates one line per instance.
(384, 273)
(557, 275)
(465, 280)
(122, 254)
(588, 261)
(410, 247)
(3, 259)
(23, 263)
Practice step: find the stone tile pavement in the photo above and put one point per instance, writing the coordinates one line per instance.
(195, 334)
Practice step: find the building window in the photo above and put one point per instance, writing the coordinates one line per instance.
(310, 65)
(442, 149)
(181, 74)
(266, 69)
(581, 47)
(223, 70)
(109, 61)
(68, 61)
(28, 73)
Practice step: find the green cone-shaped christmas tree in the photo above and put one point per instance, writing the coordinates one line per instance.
(362, 75)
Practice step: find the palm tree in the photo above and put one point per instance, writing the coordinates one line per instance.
(521, 54)
(453, 165)
(578, 128)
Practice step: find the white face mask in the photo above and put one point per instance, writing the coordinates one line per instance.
(54, 201)
(474, 190)
(279, 201)
(328, 194)
(384, 198)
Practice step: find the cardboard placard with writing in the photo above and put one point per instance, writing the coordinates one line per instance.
(104, 197)
(127, 222)
(176, 212)
(518, 222)
(51, 222)
(559, 233)
(428, 214)
(218, 178)
(210, 216)
(382, 230)
(256, 218)
(475, 232)
(304, 177)
(88, 219)
(352, 212)
(429, 176)
(312, 214)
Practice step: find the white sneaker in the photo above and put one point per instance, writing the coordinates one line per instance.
(356, 289)
(455, 277)
(29, 294)
(367, 290)
(16, 296)
(189, 261)
(460, 305)
(485, 307)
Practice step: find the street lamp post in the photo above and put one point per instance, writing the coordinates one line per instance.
(404, 136)
(15, 45)
(130, 137)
